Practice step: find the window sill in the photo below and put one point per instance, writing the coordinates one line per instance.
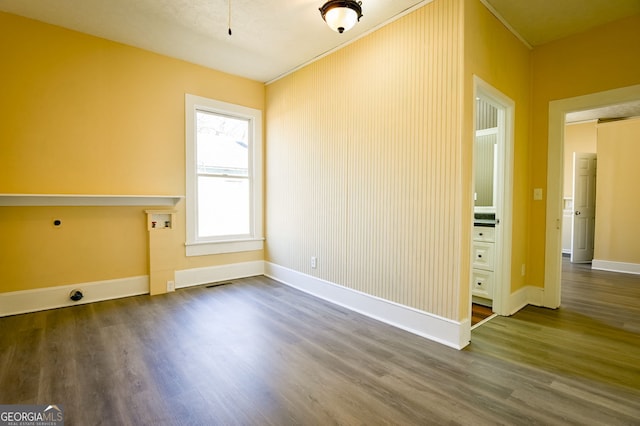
(220, 247)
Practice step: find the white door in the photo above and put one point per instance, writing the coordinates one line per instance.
(584, 207)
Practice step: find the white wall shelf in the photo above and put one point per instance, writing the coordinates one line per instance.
(88, 200)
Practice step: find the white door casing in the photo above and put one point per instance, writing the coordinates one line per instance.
(553, 234)
(504, 193)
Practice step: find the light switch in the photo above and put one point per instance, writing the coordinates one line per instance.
(537, 193)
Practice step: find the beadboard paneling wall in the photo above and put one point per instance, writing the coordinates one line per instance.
(486, 115)
(363, 163)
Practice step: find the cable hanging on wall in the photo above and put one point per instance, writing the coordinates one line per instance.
(229, 21)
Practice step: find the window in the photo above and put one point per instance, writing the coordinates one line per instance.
(224, 177)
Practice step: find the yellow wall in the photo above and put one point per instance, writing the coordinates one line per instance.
(368, 149)
(364, 164)
(617, 234)
(578, 137)
(83, 115)
(586, 63)
(495, 55)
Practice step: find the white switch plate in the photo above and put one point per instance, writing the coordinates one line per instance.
(537, 193)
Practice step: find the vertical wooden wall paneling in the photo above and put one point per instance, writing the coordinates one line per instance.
(366, 146)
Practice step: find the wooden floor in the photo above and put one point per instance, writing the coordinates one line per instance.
(479, 313)
(259, 353)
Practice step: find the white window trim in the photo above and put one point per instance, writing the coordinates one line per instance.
(201, 247)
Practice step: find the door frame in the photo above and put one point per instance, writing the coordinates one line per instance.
(555, 178)
(504, 190)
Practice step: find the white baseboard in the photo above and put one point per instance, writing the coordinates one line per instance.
(529, 295)
(20, 302)
(442, 330)
(212, 274)
(39, 299)
(535, 295)
(609, 265)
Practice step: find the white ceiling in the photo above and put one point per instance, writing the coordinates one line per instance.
(272, 37)
(611, 112)
(541, 21)
(269, 37)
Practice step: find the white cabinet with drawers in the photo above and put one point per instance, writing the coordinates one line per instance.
(484, 238)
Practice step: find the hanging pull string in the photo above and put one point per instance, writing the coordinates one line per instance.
(229, 17)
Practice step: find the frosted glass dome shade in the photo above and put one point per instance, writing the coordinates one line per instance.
(341, 16)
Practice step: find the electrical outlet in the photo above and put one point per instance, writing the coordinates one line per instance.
(314, 262)
(537, 194)
(171, 286)
(524, 269)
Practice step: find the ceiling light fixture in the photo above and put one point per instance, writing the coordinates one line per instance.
(341, 15)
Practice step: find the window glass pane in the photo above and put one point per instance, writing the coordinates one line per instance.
(223, 206)
(222, 144)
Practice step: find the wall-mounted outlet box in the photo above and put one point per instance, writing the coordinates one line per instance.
(160, 219)
(537, 194)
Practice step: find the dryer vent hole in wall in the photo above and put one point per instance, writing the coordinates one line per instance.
(76, 295)
(218, 284)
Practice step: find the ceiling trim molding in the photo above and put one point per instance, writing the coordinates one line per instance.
(506, 24)
(571, 123)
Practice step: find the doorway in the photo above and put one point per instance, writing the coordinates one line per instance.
(558, 111)
(492, 185)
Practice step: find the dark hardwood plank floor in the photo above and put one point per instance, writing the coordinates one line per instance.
(479, 313)
(259, 353)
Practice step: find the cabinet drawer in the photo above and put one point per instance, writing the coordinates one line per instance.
(483, 255)
(484, 233)
(482, 283)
